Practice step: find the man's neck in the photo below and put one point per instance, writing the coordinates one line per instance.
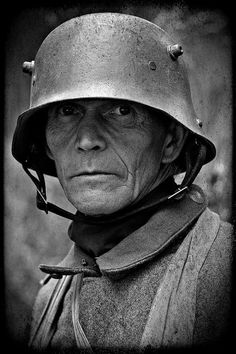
(97, 235)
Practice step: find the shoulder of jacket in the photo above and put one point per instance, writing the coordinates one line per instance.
(220, 254)
(210, 217)
(225, 229)
(220, 235)
(213, 295)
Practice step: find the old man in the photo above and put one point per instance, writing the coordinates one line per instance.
(111, 117)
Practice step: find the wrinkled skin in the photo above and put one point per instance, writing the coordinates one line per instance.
(107, 153)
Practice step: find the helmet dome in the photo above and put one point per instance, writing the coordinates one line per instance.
(105, 55)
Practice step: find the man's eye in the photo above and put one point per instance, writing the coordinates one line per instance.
(124, 113)
(68, 110)
(122, 110)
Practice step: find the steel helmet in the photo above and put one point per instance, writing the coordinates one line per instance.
(105, 55)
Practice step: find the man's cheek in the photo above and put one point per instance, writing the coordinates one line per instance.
(58, 139)
(62, 169)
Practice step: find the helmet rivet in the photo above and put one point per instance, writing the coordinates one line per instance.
(199, 122)
(33, 80)
(175, 51)
(28, 67)
(152, 65)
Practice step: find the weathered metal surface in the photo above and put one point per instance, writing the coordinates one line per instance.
(110, 55)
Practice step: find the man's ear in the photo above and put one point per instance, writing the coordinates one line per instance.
(174, 141)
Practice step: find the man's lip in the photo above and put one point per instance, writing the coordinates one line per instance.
(92, 173)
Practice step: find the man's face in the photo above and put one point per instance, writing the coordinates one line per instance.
(107, 152)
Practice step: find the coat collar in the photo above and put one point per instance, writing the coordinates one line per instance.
(165, 226)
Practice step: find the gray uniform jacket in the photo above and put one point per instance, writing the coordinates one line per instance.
(168, 284)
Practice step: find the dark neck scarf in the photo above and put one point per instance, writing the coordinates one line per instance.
(97, 235)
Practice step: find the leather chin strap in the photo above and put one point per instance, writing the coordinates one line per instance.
(193, 166)
(41, 196)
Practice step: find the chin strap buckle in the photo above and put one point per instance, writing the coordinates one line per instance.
(178, 194)
(41, 202)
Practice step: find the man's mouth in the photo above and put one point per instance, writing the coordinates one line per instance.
(94, 173)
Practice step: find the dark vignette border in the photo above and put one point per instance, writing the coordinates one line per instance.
(9, 12)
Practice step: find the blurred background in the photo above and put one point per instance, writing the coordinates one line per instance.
(31, 236)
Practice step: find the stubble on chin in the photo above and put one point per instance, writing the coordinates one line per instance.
(97, 202)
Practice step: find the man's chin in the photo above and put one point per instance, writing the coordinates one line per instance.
(97, 204)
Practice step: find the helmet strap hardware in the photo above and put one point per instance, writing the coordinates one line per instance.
(175, 51)
(177, 194)
(199, 122)
(41, 198)
(28, 67)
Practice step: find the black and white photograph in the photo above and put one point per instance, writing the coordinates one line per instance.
(118, 190)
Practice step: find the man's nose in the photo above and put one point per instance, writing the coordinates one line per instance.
(89, 133)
